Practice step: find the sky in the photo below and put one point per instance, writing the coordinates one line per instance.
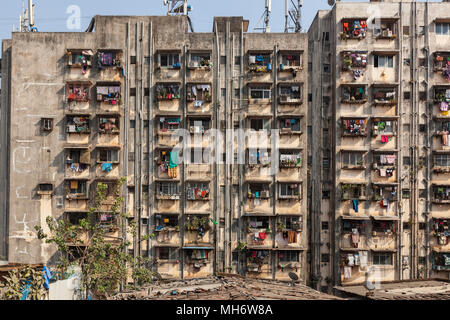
(52, 16)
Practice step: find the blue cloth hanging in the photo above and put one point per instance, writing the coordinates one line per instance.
(107, 167)
(355, 205)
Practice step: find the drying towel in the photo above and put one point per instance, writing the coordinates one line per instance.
(262, 235)
(384, 139)
(347, 272)
(355, 205)
(292, 235)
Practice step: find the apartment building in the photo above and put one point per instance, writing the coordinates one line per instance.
(196, 122)
(379, 94)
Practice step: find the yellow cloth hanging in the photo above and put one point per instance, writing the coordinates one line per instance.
(73, 184)
(445, 113)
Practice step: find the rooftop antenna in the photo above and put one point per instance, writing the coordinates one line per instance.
(266, 16)
(293, 14)
(26, 19)
(179, 8)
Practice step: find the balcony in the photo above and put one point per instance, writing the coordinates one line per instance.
(386, 30)
(109, 59)
(109, 93)
(354, 61)
(442, 64)
(80, 58)
(78, 91)
(353, 29)
(76, 189)
(441, 194)
(355, 191)
(259, 63)
(384, 96)
(167, 91)
(78, 124)
(200, 61)
(353, 127)
(290, 94)
(354, 94)
(78, 161)
(384, 192)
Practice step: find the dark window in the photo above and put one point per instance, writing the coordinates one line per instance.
(382, 258)
(74, 218)
(325, 257)
(309, 97)
(237, 60)
(325, 194)
(324, 225)
(406, 161)
(406, 30)
(223, 92)
(423, 95)
(422, 225)
(132, 124)
(406, 225)
(326, 68)
(407, 95)
(235, 256)
(422, 193)
(422, 260)
(406, 193)
(422, 62)
(145, 220)
(133, 60)
(223, 59)
(381, 61)
(168, 254)
(47, 124)
(146, 92)
(237, 93)
(45, 187)
(422, 127)
(132, 92)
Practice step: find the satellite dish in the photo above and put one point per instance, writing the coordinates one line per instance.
(331, 2)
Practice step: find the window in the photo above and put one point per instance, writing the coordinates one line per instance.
(406, 193)
(170, 221)
(326, 68)
(352, 159)
(442, 160)
(169, 254)
(257, 157)
(442, 28)
(288, 256)
(260, 124)
(45, 187)
(325, 257)
(407, 95)
(168, 188)
(291, 60)
(290, 190)
(288, 93)
(289, 223)
(199, 125)
(198, 92)
(422, 193)
(382, 258)
(198, 190)
(47, 124)
(260, 93)
(132, 92)
(349, 225)
(326, 194)
(223, 59)
(406, 161)
(108, 155)
(78, 159)
(381, 61)
(199, 156)
(78, 91)
(422, 225)
(290, 158)
(169, 123)
(406, 30)
(132, 59)
(237, 60)
(259, 222)
(74, 218)
(76, 188)
(386, 29)
(353, 94)
(200, 60)
(169, 60)
(223, 92)
(290, 124)
(383, 127)
(406, 225)
(352, 191)
(77, 124)
(258, 190)
(235, 256)
(109, 58)
(108, 93)
(168, 91)
(324, 225)
(108, 124)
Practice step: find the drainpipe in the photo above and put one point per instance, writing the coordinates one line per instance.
(275, 146)
(240, 233)
(183, 171)
(216, 166)
(429, 144)
(125, 139)
(399, 143)
(150, 146)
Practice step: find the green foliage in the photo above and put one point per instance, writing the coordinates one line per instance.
(92, 245)
(17, 281)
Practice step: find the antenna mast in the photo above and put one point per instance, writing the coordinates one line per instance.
(293, 14)
(267, 12)
(26, 19)
(177, 7)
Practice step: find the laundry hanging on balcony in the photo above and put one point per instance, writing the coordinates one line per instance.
(107, 167)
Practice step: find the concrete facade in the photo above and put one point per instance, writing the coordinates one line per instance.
(70, 124)
(387, 167)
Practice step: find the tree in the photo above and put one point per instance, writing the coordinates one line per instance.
(94, 244)
(26, 283)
